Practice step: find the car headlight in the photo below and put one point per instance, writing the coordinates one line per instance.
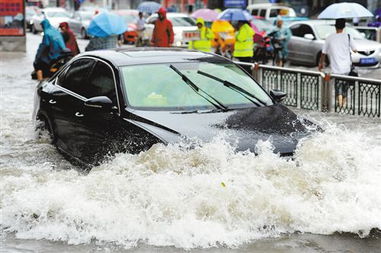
(178, 43)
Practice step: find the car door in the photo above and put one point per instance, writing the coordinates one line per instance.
(300, 48)
(99, 128)
(67, 104)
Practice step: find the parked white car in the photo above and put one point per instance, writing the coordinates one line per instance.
(270, 11)
(308, 38)
(55, 17)
(181, 23)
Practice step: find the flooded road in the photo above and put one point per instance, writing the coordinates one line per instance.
(207, 199)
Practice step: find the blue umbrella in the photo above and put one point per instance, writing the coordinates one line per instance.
(149, 7)
(235, 15)
(345, 10)
(105, 24)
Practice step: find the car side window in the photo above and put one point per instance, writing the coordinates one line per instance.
(274, 13)
(300, 30)
(101, 83)
(254, 12)
(75, 78)
(263, 13)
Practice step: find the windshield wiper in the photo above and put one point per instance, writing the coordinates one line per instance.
(198, 90)
(234, 87)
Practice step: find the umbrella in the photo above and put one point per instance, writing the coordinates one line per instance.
(345, 10)
(235, 15)
(206, 14)
(105, 24)
(149, 7)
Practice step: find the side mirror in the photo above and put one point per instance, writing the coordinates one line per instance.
(278, 95)
(363, 35)
(309, 36)
(101, 102)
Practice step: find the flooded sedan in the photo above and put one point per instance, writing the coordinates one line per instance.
(128, 100)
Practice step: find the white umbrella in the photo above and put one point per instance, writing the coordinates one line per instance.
(345, 10)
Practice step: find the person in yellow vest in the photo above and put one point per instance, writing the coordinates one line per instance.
(206, 36)
(244, 44)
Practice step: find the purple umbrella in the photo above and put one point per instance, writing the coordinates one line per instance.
(206, 14)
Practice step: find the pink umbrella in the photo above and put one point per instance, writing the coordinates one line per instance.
(206, 14)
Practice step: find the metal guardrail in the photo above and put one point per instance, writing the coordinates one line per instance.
(313, 90)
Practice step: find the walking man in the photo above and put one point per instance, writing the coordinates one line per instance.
(338, 48)
(140, 29)
(162, 35)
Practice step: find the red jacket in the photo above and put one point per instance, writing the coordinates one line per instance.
(69, 39)
(162, 35)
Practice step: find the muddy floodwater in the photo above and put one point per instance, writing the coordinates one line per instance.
(170, 199)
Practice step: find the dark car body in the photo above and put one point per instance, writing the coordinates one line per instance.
(88, 123)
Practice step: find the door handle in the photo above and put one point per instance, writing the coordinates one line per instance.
(52, 101)
(79, 115)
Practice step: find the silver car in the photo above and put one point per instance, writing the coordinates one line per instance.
(308, 37)
(80, 22)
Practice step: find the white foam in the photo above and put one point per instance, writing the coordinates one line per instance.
(201, 197)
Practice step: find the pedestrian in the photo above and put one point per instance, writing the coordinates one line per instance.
(49, 50)
(140, 27)
(97, 43)
(338, 48)
(69, 38)
(204, 43)
(244, 44)
(282, 35)
(162, 35)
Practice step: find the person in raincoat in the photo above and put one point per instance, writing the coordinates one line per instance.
(283, 35)
(162, 35)
(69, 38)
(244, 44)
(206, 36)
(49, 50)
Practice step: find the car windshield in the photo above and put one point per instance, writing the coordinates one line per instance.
(324, 31)
(182, 21)
(164, 89)
(57, 14)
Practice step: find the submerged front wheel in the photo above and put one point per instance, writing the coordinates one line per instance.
(44, 128)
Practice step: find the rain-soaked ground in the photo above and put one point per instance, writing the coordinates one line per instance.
(207, 199)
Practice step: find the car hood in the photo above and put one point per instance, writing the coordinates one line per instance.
(366, 45)
(242, 128)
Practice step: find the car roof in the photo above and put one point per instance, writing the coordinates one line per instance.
(267, 6)
(150, 55)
